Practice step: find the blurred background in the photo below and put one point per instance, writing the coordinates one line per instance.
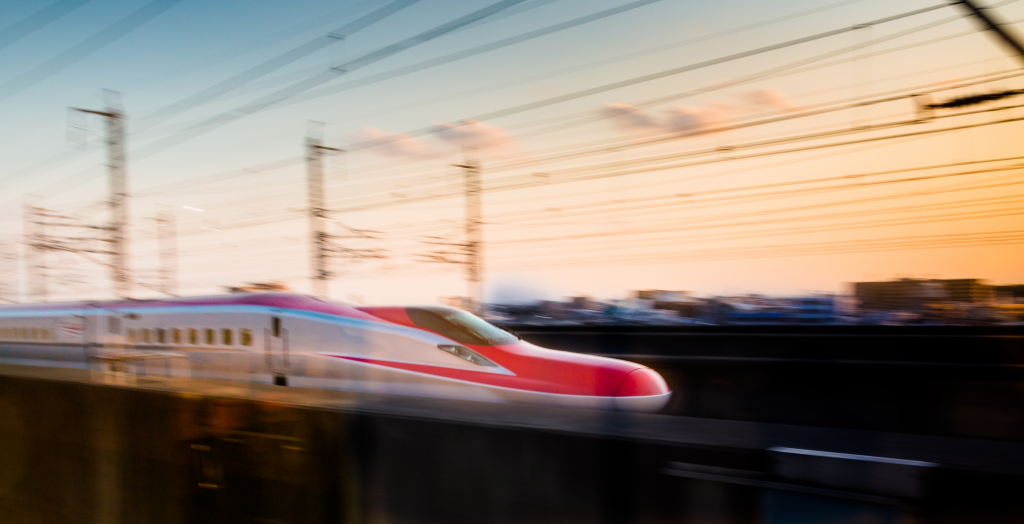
(517, 152)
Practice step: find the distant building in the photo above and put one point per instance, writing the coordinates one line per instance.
(1013, 292)
(258, 287)
(681, 302)
(820, 309)
(913, 294)
(585, 302)
(659, 295)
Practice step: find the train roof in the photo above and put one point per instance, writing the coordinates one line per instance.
(277, 300)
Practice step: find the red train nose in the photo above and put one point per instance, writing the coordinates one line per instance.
(644, 390)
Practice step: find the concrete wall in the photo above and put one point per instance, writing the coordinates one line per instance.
(188, 451)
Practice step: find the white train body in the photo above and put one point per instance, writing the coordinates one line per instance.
(307, 342)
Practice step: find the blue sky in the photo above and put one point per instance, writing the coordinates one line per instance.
(193, 45)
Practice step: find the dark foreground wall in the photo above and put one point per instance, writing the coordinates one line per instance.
(180, 451)
(953, 381)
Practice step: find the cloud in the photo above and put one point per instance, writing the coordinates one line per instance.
(629, 118)
(390, 144)
(688, 120)
(711, 116)
(769, 97)
(715, 116)
(473, 133)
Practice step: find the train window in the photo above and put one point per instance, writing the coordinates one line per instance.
(211, 337)
(193, 336)
(458, 325)
(161, 336)
(227, 337)
(245, 337)
(35, 334)
(113, 325)
(276, 327)
(176, 336)
(466, 354)
(130, 335)
(145, 335)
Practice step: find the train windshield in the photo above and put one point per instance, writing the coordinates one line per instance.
(458, 325)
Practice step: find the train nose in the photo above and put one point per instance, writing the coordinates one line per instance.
(642, 390)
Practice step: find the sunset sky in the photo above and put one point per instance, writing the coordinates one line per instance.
(759, 174)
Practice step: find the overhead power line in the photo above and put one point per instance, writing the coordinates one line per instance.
(284, 59)
(38, 20)
(275, 98)
(435, 62)
(782, 251)
(602, 171)
(85, 48)
(653, 76)
(991, 22)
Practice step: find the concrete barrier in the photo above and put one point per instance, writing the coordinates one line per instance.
(74, 450)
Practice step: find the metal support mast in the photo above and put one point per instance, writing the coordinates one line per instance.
(994, 24)
(35, 261)
(8, 272)
(317, 216)
(118, 198)
(474, 233)
(168, 246)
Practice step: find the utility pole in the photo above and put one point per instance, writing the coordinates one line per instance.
(167, 243)
(118, 197)
(317, 216)
(35, 261)
(474, 233)
(8, 272)
(994, 24)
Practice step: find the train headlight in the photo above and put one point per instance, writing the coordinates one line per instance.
(467, 354)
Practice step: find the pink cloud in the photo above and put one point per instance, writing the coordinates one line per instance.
(473, 133)
(629, 118)
(390, 144)
(769, 97)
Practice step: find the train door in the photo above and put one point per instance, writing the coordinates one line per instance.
(277, 351)
(103, 337)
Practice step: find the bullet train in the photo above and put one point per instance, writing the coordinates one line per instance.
(304, 341)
